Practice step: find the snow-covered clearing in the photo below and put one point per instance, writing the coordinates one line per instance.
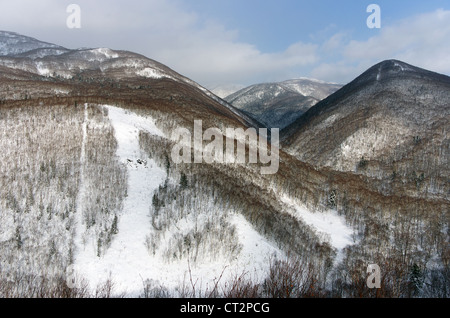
(329, 225)
(127, 261)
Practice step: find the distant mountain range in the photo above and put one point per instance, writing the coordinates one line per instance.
(277, 105)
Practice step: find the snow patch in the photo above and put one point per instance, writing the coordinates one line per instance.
(42, 70)
(400, 66)
(256, 250)
(108, 53)
(332, 226)
(379, 73)
(127, 260)
(151, 73)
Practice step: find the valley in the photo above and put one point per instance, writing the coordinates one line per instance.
(92, 204)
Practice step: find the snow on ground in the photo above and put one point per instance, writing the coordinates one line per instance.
(151, 73)
(82, 190)
(256, 250)
(329, 224)
(127, 258)
(107, 53)
(128, 261)
(303, 89)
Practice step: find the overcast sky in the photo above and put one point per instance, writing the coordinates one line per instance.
(217, 42)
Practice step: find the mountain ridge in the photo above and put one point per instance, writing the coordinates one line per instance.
(12, 43)
(99, 64)
(373, 74)
(278, 104)
(389, 116)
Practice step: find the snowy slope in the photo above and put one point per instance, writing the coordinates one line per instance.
(331, 227)
(127, 256)
(128, 260)
(388, 123)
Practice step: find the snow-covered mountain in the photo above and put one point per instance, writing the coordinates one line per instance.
(391, 123)
(26, 54)
(14, 44)
(93, 204)
(276, 105)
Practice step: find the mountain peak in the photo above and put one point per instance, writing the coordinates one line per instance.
(393, 63)
(374, 117)
(401, 79)
(392, 69)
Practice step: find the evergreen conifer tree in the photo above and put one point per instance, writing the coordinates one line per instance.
(18, 237)
(183, 181)
(114, 227)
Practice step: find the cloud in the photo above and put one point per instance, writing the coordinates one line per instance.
(421, 40)
(211, 54)
(206, 51)
(338, 72)
(334, 42)
(229, 60)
